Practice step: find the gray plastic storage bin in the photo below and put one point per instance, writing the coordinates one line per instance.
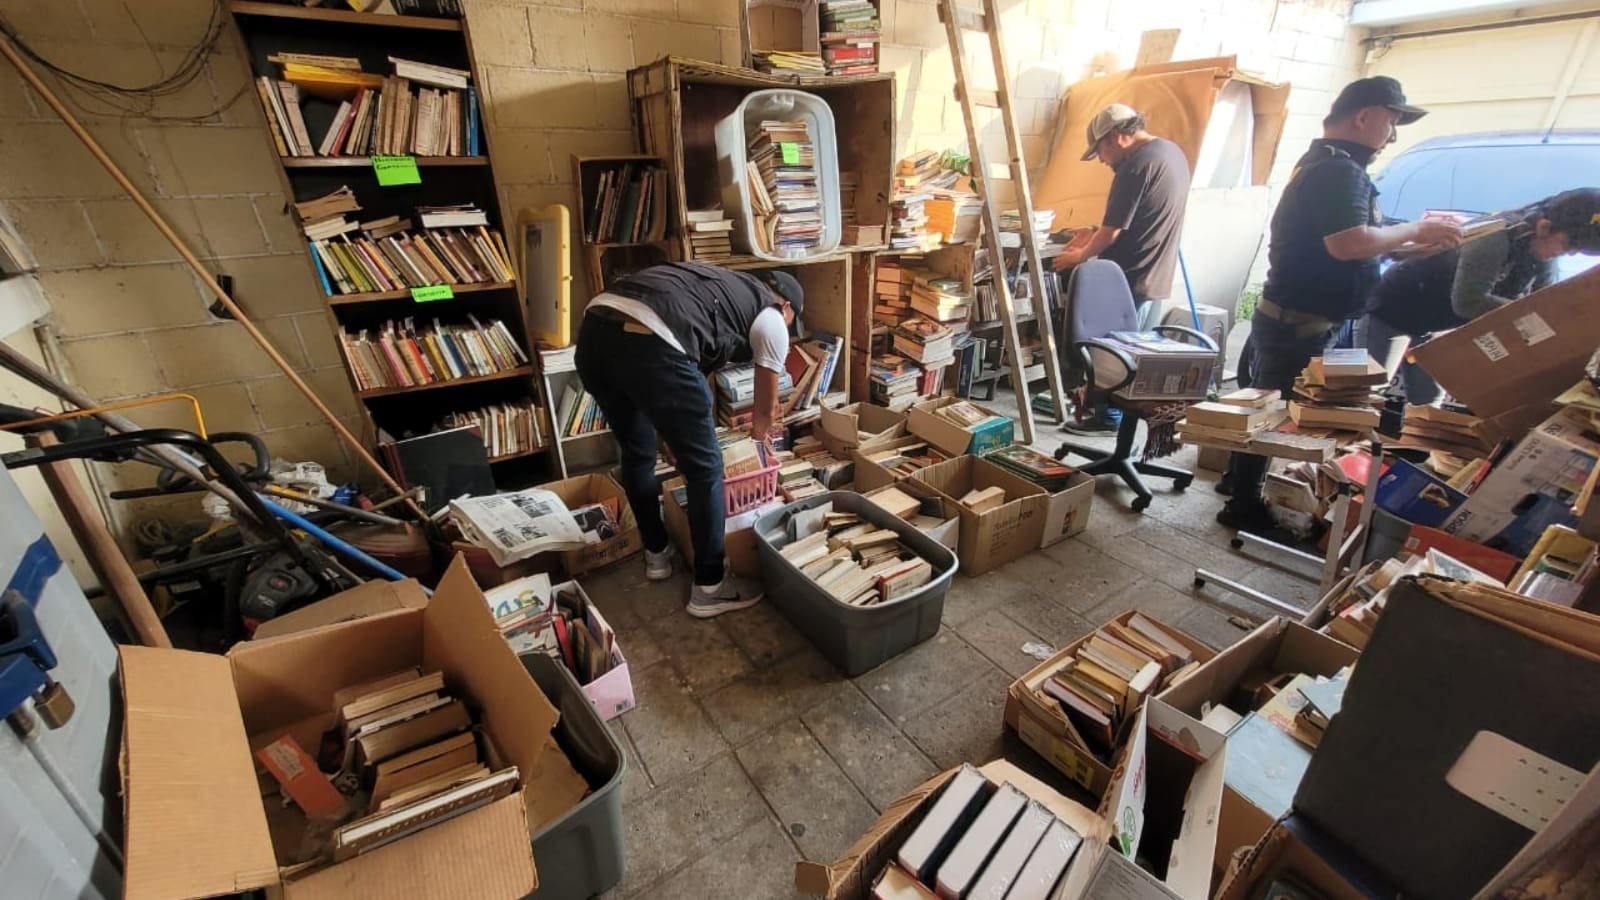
(580, 854)
(854, 638)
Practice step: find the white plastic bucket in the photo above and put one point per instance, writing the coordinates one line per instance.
(732, 139)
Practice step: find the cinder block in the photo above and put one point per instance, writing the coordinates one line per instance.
(16, 99)
(709, 12)
(285, 337)
(86, 302)
(732, 47)
(530, 99)
(315, 443)
(281, 405)
(272, 285)
(564, 145)
(280, 228)
(128, 236)
(499, 34)
(904, 62)
(609, 41)
(317, 336)
(225, 407)
(173, 23)
(56, 232)
(652, 9)
(517, 197)
(916, 24)
(213, 159)
(42, 21)
(653, 40)
(611, 99)
(229, 72)
(559, 39)
(1038, 83)
(44, 159)
(208, 354)
(118, 365)
(522, 156)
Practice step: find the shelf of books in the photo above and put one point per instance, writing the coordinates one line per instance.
(622, 214)
(375, 119)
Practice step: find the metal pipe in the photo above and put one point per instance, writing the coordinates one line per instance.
(337, 544)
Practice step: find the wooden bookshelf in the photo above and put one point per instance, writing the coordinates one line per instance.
(606, 260)
(264, 29)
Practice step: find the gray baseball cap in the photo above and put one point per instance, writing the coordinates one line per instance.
(1104, 122)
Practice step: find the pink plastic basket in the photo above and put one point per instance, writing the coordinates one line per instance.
(748, 491)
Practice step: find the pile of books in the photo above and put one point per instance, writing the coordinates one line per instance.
(507, 428)
(1011, 227)
(797, 479)
(327, 106)
(849, 36)
(788, 62)
(908, 222)
(893, 381)
(980, 839)
(782, 170)
(399, 354)
(1233, 419)
(1458, 433)
(741, 455)
(1334, 392)
(825, 467)
(930, 343)
(628, 206)
(1102, 684)
(736, 393)
(954, 216)
(857, 562)
(1031, 465)
(907, 460)
(940, 298)
(578, 413)
(709, 233)
(810, 367)
(534, 617)
(922, 512)
(892, 293)
(966, 414)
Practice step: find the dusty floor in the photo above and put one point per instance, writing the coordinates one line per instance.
(748, 751)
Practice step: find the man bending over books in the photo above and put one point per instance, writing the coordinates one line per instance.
(644, 349)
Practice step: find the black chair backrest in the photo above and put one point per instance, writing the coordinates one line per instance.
(1098, 301)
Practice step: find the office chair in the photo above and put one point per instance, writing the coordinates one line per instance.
(1098, 303)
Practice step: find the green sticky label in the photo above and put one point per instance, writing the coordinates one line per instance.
(393, 170)
(791, 153)
(432, 292)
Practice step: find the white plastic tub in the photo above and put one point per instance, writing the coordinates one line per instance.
(732, 139)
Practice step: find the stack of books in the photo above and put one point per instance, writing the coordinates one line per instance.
(782, 169)
(788, 62)
(857, 562)
(1024, 462)
(628, 206)
(454, 246)
(954, 216)
(942, 299)
(534, 617)
(1011, 227)
(810, 369)
(578, 413)
(1459, 434)
(399, 354)
(849, 36)
(1103, 683)
(741, 456)
(736, 393)
(908, 222)
(893, 381)
(1334, 392)
(328, 106)
(907, 460)
(930, 343)
(709, 232)
(507, 428)
(825, 467)
(797, 479)
(1233, 419)
(892, 294)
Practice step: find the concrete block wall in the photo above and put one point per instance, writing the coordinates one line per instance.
(128, 318)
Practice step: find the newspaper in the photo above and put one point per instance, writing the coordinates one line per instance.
(518, 525)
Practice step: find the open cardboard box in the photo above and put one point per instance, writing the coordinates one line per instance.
(1042, 727)
(955, 439)
(840, 429)
(1278, 646)
(200, 821)
(582, 490)
(1294, 847)
(366, 599)
(1067, 512)
(948, 531)
(739, 544)
(611, 694)
(994, 538)
(869, 475)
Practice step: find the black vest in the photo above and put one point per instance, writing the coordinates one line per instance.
(1414, 296)
(1301, 274)
(709, 309)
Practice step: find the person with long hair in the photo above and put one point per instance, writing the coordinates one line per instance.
(1425, 295)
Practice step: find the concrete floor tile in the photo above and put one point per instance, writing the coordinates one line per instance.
(1272, 581)
(683, 821)
(1212, 626)
(968, 727)
(612, 591)
(1194, 550)
(1090, 576)
(757, 863)
(763, 634)
(757, 700)
(1039, 571)
(672, 734)
(700, 650)
(880, 760)
(1173, 571)
(1000, 638)
(816, 803)
(923, 675)
(1110, 514)
(1049, 619)
(1150, 597)
(972, 596)
(636, 783)
(653, 600)
(639, 646)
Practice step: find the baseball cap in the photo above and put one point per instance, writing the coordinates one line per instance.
(1104, 122)
(1576, 214)
(786, 286)
(1379, 90)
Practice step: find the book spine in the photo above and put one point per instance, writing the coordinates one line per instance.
(322, 275)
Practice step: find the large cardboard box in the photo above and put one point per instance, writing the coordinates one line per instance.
(1532, 488)
(996, 537)
(948, 531)
(840, 429)
(1277, 647)
(1042, 728)
(366, 599)
(1067, 513)
(1508, 364)
(955, 439)
(1294, 847)
(583, 490)
(739, 544)
(198, 824)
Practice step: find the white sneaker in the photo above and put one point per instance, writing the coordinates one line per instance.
(659, 566)
(706, 601)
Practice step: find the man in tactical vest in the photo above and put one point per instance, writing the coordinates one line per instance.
(1322, 258)
(644, 350)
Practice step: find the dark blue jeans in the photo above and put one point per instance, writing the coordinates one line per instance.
(647, 389)
(1280, 355)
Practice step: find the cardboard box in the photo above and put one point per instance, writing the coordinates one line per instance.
(851, 877)
(739, 544)
(840, 429)
(611, 694)
(1532, 488)
(869, 475)
(583, 490)
(996, 537)
(1067, 512)
(954, 439)
(1212, 459)
(1293, 846)
(1041, 727)
(197, 821)
(366, 599)
(1508, 364)
(948, 531)
(1278, 646)
(1163, 368)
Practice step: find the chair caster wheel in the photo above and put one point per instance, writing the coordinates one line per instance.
(1061, 453)
(1236, 544)
(1179, 484)
(1140, 504)
(1199, 582)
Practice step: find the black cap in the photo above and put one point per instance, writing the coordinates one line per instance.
(786, 286)
(1379, 90)
(1576, 214)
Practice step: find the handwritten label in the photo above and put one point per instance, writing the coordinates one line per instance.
(396, 170)
(1491, 346)
(790, 152)
(432, 292)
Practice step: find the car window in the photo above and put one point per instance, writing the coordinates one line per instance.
(1415, 182)
(1492, 179)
